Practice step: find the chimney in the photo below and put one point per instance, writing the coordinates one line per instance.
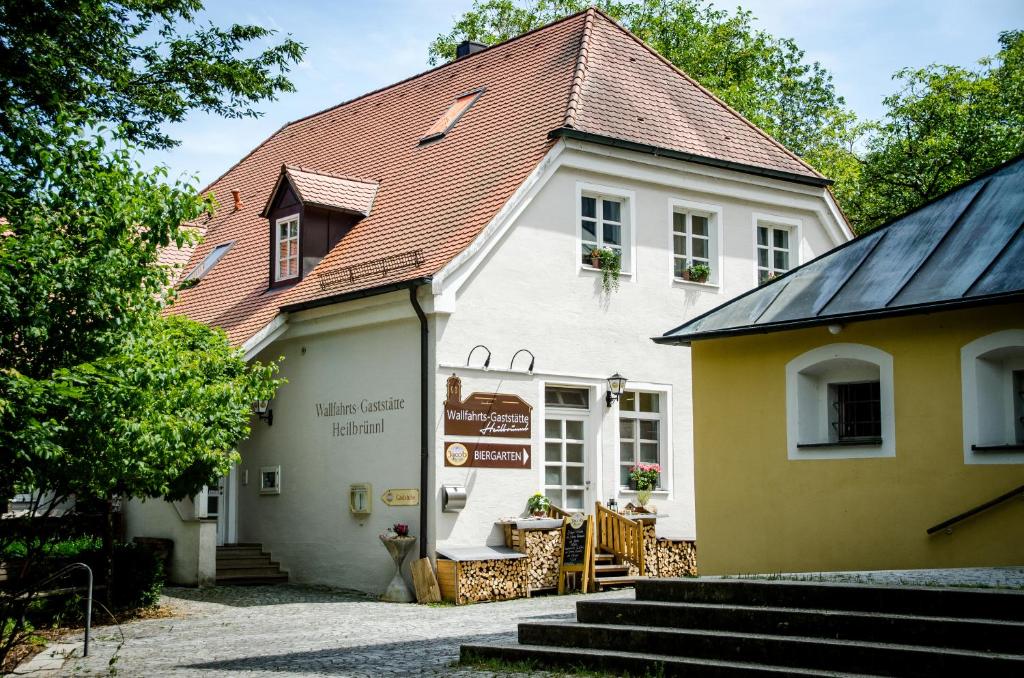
(237, 195)
(467, 47)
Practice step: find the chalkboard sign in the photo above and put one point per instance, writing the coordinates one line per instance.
(574, 550)
(577, 552)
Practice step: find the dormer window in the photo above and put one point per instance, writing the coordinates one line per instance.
(287, 248)
(308, 213)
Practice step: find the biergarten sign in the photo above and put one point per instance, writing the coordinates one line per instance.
(487, 455)
(504, 415)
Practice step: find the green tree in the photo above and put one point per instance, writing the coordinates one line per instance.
(944, 126)
(765, 78)
(101, 394)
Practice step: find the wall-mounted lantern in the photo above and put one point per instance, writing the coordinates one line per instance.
(261, 408)
(523, 350)
(487, 361)
(616, 385)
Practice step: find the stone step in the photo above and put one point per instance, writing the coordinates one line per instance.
(246, 552)
(912, 600)
(265, 571)
(242, 563)
(281, 578)
(772, 650)
(969, 634)
(634, 663)
(604, 558)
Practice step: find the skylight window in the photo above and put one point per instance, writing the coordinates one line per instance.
(203, 267)
(451, 116)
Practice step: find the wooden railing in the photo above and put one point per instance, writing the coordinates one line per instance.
(556, 512)
(618, 535)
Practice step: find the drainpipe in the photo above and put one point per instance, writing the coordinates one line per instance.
(424, 421)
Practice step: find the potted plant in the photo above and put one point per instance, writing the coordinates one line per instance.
(644, 476)
(697, 273)
(538, 505)
(610, 263)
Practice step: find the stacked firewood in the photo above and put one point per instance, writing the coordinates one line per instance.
(482, 580)
(543, 549)
(677, 558)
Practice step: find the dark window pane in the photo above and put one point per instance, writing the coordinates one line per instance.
(649, 402)
(588, 207)
(589, 230)
(612, 210)
(679, 222)
(699, 225)
(762, 236)
(612, 234)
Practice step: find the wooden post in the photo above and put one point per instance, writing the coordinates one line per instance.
(424, 581)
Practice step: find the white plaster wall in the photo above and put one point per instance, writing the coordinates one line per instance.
(530, 292)
(192, 559)
(371, 351)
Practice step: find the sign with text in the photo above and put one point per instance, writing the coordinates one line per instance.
(486, 414)
(576, 552)
(486, 455)
(406, 497)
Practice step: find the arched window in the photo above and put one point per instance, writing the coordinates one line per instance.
(992, 379)
(839, 403)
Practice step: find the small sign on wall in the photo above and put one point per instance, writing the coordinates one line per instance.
(487, 455)
(406, 497)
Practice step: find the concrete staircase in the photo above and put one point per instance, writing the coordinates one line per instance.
(758, 627)
(239, 564)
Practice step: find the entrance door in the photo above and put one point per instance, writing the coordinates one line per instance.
(566, 477)
(215, 507)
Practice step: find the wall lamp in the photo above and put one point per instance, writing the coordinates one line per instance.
(523, 350)
(616, 385)
(261, 408)
(487, 361)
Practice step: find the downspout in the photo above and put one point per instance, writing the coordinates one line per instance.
(424, 420)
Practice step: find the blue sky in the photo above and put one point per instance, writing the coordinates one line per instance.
(355, 47)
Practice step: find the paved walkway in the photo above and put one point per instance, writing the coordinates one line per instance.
(291, 630)
(298, 631)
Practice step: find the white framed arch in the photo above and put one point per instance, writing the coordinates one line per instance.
(992, 391)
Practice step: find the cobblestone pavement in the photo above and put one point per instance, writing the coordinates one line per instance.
(292, 630)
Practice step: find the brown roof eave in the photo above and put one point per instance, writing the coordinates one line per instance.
(876, 314)
(569, 133)
(357, 294)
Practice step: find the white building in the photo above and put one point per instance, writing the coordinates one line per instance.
(375, 244)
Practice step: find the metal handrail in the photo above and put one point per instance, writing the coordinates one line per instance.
(947, 525)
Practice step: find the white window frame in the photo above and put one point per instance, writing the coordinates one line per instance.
(628, 199)
(989, 417)
(211, 259)
(807, 395)
(770, 221)
(276, 470)
(277, 247)
(716, 235)
(666, 451)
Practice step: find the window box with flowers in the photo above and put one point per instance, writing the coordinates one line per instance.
(644, 476)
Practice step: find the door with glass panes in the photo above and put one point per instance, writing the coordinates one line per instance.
(566, 472)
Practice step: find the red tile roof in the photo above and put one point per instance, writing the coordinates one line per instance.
(583, 72)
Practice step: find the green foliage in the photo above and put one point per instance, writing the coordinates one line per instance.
(610, 263)
(944, 126)
(538, 503)
(68, 548)
(134, 63)
(763, 77)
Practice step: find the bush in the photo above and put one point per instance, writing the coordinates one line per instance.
(138, 576)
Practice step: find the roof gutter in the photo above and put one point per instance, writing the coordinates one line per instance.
(570, 133)
(358, 294)
(876, 314)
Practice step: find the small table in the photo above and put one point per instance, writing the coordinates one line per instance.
(398, 591)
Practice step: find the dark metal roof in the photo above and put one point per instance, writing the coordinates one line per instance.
(965, 248)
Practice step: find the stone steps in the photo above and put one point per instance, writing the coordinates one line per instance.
(753, 627)
(247, 564)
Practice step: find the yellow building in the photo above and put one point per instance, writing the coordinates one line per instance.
(854, 413)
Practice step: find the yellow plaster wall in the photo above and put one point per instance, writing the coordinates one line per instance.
(757, 511)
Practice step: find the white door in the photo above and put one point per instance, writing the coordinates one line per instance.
(216, 507)
(567, 450)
